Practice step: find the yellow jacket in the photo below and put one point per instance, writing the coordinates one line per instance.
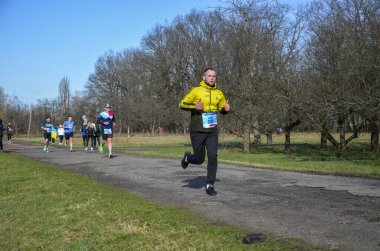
(212, 98)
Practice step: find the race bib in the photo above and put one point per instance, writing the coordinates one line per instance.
(209, 119)
(107, 131)
(48, 129)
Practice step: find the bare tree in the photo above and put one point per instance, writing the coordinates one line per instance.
(260, 43)
(64, 96)
(16, 112)
(119, 80)
(343, 75)
(176, 56)
(2, 103)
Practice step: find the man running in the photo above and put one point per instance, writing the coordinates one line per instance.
(107, 120)
(10, 132)
(47, 126)
(204, 102)
(69, 126)
(61, 134)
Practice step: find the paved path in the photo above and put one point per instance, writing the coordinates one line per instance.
(339, 212)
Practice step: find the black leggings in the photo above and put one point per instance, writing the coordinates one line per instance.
(96, 139)
(9, 137)
(200, 142)
(85, 141)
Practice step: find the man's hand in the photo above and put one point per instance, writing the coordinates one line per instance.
(199, 105)
(227, 107)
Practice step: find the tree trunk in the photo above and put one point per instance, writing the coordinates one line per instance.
(269, 138)
(374, 128)
(288, 128)
(256, 134)
(287, 140)
(342, 143)
(342, 138)
(331, 139)
(257, 137)
(30, 120)
(246, 138)
(375, 141)
(153, 126)
(324, 135)
(121, 126)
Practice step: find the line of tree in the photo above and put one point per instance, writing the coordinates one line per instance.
(316, 67)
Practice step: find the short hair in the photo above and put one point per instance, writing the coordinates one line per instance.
(208, 69)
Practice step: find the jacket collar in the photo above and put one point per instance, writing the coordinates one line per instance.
(203, 83)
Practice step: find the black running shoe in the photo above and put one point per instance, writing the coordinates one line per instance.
(210, 190)
(185, 163)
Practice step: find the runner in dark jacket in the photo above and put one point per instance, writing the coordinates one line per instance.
(1, 134)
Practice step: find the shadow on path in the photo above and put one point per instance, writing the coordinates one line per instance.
(195, 183)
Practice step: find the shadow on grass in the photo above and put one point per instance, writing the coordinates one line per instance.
(309, 152)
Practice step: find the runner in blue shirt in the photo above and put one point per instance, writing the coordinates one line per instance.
(47, 127)
(69, 126)
(107, 120)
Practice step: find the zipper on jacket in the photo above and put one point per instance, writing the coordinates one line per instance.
(209, 104)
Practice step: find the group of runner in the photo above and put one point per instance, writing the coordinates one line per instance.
(9, 130)
(90, 133)
(204, 102)
(106, 120)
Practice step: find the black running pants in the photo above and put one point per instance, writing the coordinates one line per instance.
(202, 141)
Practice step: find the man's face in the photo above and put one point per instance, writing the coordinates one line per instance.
(70, 118)
(48, 119)
(210, 77)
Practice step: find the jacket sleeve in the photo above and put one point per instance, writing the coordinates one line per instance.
(188, 102)
(221, 104)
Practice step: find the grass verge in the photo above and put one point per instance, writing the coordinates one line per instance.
(44, 207)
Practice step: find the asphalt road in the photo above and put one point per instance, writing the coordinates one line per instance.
(333, 211)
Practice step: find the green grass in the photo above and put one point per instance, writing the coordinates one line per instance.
(305, 153)
(44, 207)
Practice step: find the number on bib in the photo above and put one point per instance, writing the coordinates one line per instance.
(209, 119)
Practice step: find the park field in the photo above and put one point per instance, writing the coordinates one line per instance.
(43, 207)
(306, 156)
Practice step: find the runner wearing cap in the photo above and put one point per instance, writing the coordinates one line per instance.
(107, 120)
